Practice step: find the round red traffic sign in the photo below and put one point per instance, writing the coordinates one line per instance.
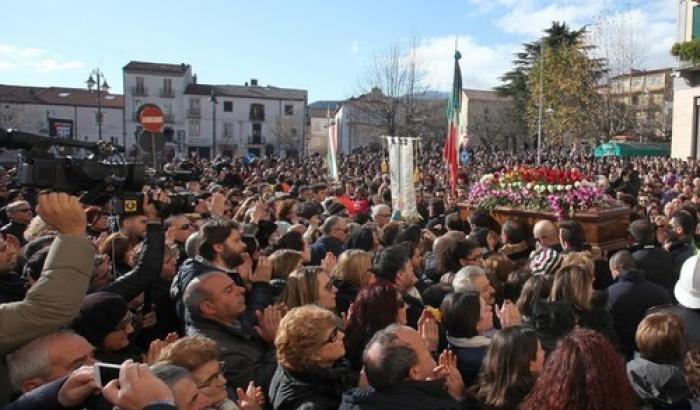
(151, 118)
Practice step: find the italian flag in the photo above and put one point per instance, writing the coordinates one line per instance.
(453, 108)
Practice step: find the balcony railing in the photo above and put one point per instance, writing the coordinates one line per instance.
(166, 93)
(256, 140)
(194, 113)
(257, 116)
(142, 91)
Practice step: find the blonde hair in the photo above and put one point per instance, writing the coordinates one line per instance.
(353, 266)
(284, 261)
(583, 259)
(190, 352)
(574, 284)
(300, 334)
(301, 287)
(36, 228)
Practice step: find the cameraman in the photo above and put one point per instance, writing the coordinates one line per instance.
(58, 294)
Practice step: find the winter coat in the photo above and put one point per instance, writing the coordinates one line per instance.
(407, 395)
(324, 245)
(629, 298)
(52, 302)
(12, 287)
(657, 265)
(347, 292)
(680, 251)
(317, 388)
(246, 356)
(470, 354)
(659, 386)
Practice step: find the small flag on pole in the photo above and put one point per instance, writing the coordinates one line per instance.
(453, 107)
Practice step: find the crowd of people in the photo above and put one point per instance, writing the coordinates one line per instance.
(281, 289)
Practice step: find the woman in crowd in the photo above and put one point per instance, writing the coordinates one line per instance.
(311, 372)
(284, 262)
(512, 363)
(376, 307)
(583, 373)
(351, 273)
(118, 246)
(657, 374)
(536, 289)
(691, 368)
(466, 316)
(309, 285)
(200, 356)
(295, 241)
(364, 238)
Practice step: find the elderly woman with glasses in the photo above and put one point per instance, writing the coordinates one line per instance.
(200, 356)
(310, 285)
(311, 371)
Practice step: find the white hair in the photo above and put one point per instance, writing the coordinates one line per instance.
(379, 208)
(32, 359)
(464, 279)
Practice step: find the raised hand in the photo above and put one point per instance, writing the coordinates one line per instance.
(249, 399)
(263, 271)
(328, 263)
(268, 321)
(245, 269)
(428, 329)
(78, 387)
(136, 388)
(508, 314)
(63, 212)
(217, 204)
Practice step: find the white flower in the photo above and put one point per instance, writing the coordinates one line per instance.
(487, 178)
(560, 187)
(569, 187)
(550, 188)
(577, 184)
(530, 185)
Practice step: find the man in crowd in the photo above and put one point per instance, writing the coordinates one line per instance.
(393, 264)
(679, 240)
(381, 214)
(20, 214)
(648, 256)
(546, 235)
(215, 304)
(334, 234)
(177, 229)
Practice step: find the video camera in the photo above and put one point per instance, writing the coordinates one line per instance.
(102, 176)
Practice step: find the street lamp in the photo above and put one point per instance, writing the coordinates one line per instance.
(214, 101)
(102, 85)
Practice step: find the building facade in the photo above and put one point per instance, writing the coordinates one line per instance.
(69, 113)
(686, 86)
(486, 118)
(203, 118)
(321, 113)
(641, 103)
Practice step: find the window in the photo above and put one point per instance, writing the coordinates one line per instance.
(167, 87)
(194, 128)
(228, 106)
(288, 109)
(228, 129)
(140, 88)
(294, 132)
(257, 112)
(257, 130)
(696, 22)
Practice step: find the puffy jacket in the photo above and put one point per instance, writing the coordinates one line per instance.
(408, 395)
(314, 388)
(660, 386)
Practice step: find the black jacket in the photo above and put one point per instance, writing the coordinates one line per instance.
(12, 287)
(148, 268)
(680, 251)
(347, 292)
(247, 357)
(324, 245)
(317, 389)
(17, 229)
(408, 395)
(656, 263)
(629, 298)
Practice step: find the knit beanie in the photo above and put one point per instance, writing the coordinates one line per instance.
(545, 261)
(99, 315)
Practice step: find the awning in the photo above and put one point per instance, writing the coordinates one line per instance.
(632, 149)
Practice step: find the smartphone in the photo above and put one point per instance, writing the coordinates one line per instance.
(105, 373)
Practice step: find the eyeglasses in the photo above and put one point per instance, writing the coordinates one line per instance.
(333, 337)
(211, 379)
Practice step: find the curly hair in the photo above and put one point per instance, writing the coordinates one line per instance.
(190, 352)
(691, 368)
(584, 372)
(300, 334)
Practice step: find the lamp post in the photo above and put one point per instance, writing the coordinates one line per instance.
(214, 101)
(102, 85)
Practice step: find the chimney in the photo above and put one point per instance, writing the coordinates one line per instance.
(253, 82)
(194, 79)
(246, 83)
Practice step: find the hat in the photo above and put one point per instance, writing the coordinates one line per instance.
(687, 289)
(545, 261)
(99, 315)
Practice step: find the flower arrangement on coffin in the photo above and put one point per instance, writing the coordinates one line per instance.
(563, 192)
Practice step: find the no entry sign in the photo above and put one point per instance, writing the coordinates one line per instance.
(151, 118)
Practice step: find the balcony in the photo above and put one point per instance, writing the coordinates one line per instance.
(257, 116)
(169, 118)
(167, 93)
(194, 113)
(256, 140)
(141, 91)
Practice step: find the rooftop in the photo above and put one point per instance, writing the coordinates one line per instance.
(58, 96)
(253, 91)
(163, 68)
(486, 95)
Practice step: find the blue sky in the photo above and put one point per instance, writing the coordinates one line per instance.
(322, 46)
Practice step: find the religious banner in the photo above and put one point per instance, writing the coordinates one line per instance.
(403, 195)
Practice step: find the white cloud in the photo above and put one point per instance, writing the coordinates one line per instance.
(355, 46)
(32, 58)
(50, 64)
(530, 17)
(481, 65)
